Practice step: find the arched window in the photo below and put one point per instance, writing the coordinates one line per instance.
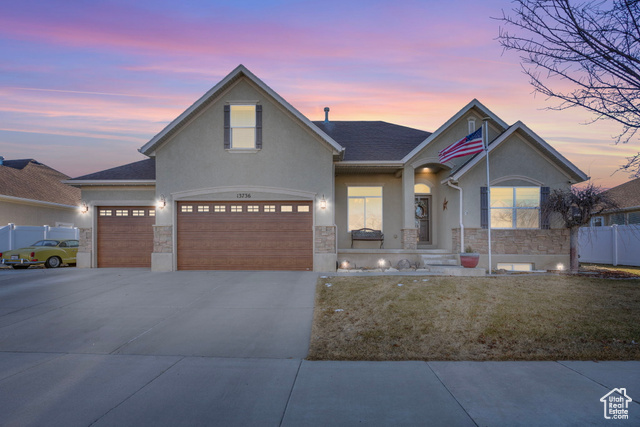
(421, 189)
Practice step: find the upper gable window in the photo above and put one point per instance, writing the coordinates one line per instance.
(243, 127)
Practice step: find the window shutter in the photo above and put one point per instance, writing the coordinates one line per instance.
(484, 207)
(259, 127)
(227, 127)
(544, 218)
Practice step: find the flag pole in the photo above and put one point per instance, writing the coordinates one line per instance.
(485, 136)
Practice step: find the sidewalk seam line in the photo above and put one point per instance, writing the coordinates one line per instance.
(137, 391)
(295, 380)
(451, 394)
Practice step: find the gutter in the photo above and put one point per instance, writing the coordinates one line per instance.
(107, 182)
(450, 184)
(36, 202)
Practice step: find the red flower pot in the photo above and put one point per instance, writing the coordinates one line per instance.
(469, 260)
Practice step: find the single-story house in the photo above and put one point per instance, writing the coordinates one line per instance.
(33, 194)
(627, 196)
(243, 180)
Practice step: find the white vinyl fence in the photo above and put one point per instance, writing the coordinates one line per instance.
(18, 236)
(615, 245)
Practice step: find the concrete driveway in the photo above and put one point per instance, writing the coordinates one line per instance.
(130, 311)
(135, 348)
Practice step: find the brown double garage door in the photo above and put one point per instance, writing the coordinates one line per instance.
(245, 236)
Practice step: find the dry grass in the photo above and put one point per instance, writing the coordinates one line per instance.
(620, 270)
(552, 317)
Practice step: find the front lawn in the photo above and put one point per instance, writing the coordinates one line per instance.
(550, 317)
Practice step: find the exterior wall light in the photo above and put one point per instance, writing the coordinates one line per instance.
(162, 202)
(83, 208)
(323, 203)
(560, 267)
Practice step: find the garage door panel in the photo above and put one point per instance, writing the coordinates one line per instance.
(256, 236)
(125, 240)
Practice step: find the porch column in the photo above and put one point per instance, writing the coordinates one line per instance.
(409, 230)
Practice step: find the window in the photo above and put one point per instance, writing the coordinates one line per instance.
(269, 208)
(286, 208)
(122, 212)
(236, 208)
(137, 212)
(364, 208)
(203, 208)
(515, 266)
(253, 208)
(186, 208)
(303, 208)
(597, 221)
(152, 212)
(472, 125)
(421, 189)
(616, 219)
(515, 207)
(219, 208)
(634, 218)
(105, 212)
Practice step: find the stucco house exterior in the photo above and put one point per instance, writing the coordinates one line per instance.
(243, 180)
(32, 194)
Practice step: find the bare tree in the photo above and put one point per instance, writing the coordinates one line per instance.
(594, 46)
(576, 207)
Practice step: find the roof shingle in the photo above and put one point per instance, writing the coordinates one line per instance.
(29, 179)
(627, 195)
(141, 170)
(373, 140)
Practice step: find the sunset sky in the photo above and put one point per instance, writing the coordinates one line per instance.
(84, 84)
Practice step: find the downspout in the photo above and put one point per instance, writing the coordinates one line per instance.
(450, 184)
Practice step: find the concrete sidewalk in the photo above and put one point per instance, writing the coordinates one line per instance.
(135, 348)
(122, 390)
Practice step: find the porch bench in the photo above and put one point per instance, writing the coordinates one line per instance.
(367, 234)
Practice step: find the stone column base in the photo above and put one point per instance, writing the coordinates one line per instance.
(410, 238)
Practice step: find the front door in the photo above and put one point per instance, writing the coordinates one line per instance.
(423, 219)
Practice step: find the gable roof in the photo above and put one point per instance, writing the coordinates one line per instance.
(627, 195)
(474, 104)
(141, 172)
(375, 140)
(239, 72)
(32, 180)
(569, 168)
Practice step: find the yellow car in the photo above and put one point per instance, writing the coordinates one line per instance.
(50, 252)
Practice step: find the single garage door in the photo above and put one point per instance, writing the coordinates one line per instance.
(125, 236)
(245, 236)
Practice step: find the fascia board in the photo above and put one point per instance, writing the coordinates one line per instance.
(553, 151)
(149, 147)
(370, 163)
(35, 202)
(103, 182)
(451, 121)
(496, 143)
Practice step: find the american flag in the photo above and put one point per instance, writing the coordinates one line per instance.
(470, 144)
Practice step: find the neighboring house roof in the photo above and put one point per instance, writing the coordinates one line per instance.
(141, 172)
(239, 72)
(558, 159)
(31, 180)
(375, 140)
(626, 195)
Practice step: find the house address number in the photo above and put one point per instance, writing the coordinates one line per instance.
(243, 195)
